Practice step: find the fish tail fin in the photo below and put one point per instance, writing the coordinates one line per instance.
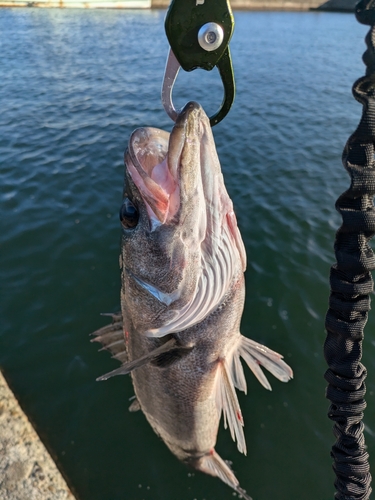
(256, 355)
(214, 465)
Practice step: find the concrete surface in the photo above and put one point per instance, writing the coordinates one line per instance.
(27, 471)
(338, 6)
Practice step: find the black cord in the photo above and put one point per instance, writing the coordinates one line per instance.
(351, 284)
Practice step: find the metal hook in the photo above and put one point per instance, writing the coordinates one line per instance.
(227, 77)
(226, 73)
(170, 74)
(199, 32)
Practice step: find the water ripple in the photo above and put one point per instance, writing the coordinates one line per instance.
(74, 86)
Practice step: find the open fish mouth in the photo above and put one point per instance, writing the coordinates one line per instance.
(148, 166)
(171, 169)
(154, 163)
(178, 175)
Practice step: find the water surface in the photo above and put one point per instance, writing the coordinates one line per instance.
(74, 84)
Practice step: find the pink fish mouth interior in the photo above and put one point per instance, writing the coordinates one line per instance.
(147, 162)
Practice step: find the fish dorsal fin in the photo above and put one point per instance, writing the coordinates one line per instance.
(126, 368)
(256, 355)
(214, 465)
(112, 337)
(215, 277)
(227, 402)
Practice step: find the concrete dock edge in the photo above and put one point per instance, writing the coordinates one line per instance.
(27, 470)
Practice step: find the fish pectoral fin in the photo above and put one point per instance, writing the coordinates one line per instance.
(112, 337)
(256, 355)
(214, 465)
(143, 360)
(227, 402)
(167, 358)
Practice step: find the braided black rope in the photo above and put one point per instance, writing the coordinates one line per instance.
(351, 284)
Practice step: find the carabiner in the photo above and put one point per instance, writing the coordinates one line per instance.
(199, 32)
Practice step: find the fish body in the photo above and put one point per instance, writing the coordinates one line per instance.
(183, 291)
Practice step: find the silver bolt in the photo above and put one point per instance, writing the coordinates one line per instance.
(210, 36)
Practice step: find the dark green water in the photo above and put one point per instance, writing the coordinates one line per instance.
(74, 84)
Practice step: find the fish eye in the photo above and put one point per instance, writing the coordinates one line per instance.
(128, 214)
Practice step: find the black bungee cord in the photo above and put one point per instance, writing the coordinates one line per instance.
(351, 283)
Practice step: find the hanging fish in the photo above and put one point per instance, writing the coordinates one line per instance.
(182, 296)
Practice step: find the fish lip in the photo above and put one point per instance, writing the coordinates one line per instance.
(191, 111)
(130, 153)
(188, 127)
(188, 112)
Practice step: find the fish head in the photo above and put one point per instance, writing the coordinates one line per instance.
(180, 236)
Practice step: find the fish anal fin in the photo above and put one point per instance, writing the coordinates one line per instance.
(135, 406)
(227, 402)
(143, 360)
(214, 465)
(256, 355)
(237, 373)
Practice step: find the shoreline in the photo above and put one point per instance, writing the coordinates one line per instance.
(344, 6)
(27, 469)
